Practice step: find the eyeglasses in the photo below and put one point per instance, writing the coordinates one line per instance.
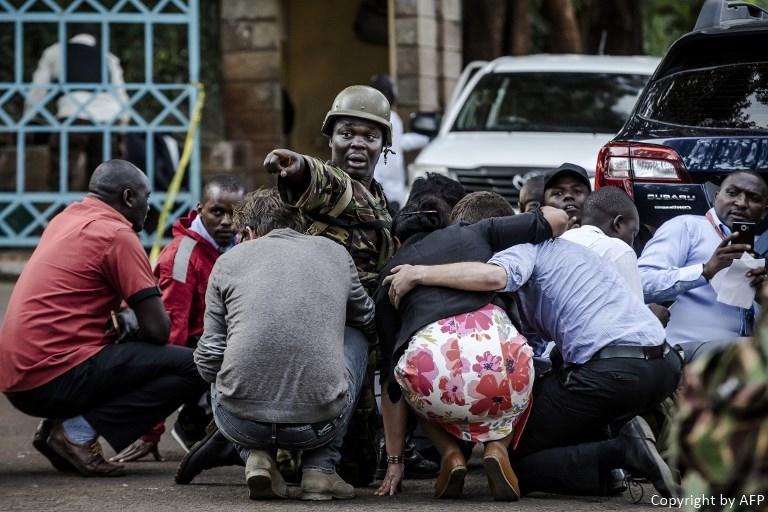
(419, 212)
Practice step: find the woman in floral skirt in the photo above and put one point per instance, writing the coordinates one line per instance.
(455, 356)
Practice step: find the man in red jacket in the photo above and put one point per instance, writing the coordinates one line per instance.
(182, 272)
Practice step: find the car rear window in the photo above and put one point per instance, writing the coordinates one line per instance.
(550, 102)
(723, 97)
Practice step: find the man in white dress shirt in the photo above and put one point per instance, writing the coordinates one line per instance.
(610, 223)
(687, 251)
(390, 170)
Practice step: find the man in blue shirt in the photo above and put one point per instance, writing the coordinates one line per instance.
(687, 251)
(614, 364)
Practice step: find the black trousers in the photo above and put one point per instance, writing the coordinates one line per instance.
(122, 391)
(559, 451)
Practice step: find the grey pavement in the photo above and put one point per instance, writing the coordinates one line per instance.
(28, 483)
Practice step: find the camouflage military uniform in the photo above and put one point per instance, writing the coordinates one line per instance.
(721, 430)
(363, 228)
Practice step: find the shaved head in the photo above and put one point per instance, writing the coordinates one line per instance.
(614, 212)
(605, 204)
(113, 176)
(124, 187)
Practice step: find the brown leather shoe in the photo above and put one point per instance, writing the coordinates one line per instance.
(450, 481)
(87, 458)
(40, 442)
(501, 477)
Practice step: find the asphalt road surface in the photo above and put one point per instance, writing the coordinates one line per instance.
(28, 484)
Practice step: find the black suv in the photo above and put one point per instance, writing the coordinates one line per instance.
(703, 114)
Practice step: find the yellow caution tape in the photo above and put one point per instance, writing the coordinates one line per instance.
(178, 177)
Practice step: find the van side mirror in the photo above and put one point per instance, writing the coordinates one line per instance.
(426, 123)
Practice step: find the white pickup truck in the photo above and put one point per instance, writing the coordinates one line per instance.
(521, 116)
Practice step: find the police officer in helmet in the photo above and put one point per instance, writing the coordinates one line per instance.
(341, 201)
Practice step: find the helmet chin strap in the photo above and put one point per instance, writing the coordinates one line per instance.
(387, 150)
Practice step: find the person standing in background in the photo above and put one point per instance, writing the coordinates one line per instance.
(390, 170)
(83, 65)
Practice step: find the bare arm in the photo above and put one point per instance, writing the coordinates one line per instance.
(395, 418)
(154, 324)
(469, 276)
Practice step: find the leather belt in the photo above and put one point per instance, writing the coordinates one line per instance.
(632, 352)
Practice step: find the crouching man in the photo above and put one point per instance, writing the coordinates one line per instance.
(285, 370)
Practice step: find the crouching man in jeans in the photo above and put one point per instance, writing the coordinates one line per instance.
(285, 370)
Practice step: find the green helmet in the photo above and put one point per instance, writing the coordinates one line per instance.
(363, 102)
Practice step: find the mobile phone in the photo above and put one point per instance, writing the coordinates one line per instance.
(745, 233)
(114, 325)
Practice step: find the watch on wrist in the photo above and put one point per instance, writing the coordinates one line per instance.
(395, 459)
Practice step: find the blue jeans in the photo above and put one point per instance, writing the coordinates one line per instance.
(321, 442)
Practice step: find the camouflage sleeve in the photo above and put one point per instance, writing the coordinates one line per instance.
(326, 186)
(721, 425)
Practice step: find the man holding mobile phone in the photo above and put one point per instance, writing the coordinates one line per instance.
(745, 232)
(686, 252)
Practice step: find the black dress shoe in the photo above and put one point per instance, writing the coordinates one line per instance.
(643, 460)
(213, 451)
(416, 466)
(190, 426)
(40, 442)
(617, 482)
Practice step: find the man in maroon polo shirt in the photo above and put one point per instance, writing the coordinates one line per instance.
(59, 360)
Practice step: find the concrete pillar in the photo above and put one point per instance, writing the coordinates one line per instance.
(251, 94)
(428, 52)
(450, 45)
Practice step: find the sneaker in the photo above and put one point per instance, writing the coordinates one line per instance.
(263, 477)
(643, 460)
(319, 486)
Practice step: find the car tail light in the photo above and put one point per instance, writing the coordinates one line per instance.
(620, 164)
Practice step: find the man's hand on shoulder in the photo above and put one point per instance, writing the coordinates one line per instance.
(402, 280)
(723, 256)
(287, 164)
(557, 220)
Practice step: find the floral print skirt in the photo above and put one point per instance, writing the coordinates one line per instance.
(472, 374)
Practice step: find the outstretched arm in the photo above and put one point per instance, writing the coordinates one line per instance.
(470, 276)
(291, 169)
